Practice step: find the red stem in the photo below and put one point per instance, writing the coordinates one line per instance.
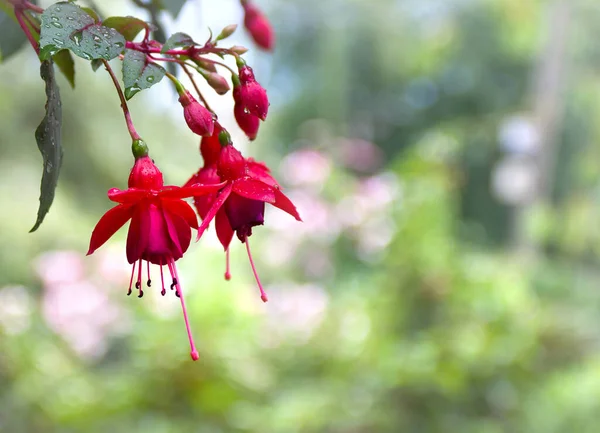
(132, 132)
(19, 16)
(189, 74)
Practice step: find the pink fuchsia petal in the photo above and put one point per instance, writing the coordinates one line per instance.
(108, 225)
(254, 190)
(139, 233)
(285, 204)
(214, 209)
(182, 209)
(224, 230)
(175, 192)
(131, 195)
(259, 171)
(179, 232)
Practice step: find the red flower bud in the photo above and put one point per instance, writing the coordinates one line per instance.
(210, 147)
(145, 175)
(231, 164)
(251, 95)
(198, 118)
(258, 26)
(247, 122)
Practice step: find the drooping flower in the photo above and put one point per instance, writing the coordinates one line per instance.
(258, 26)
(160, 228)
(198, 118)
(240, 205)
(251, 96)
(247, 122)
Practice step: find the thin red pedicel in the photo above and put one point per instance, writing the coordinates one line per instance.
(263, 295)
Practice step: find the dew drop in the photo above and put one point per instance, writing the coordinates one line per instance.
(58, 41)
(57, 25)
(76, 37)
(119, 44)
(150, 78)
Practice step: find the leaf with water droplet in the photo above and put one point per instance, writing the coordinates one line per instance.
(66, 25)
(129, 27)
(48, 139)
(138, 73)
(178, 40)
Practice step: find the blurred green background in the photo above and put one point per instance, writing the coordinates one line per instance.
(445, 157)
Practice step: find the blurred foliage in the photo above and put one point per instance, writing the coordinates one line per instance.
(401, 303)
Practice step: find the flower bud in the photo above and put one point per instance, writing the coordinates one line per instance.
(198, 118)
(238, 49)
(231, 164)
(217, 82)
(204, 64)
(251, 95)
(227, 31)
(145, 175)
(246, 121)
(258, 26)
(210, 147)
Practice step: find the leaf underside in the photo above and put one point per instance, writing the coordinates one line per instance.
(48, 137)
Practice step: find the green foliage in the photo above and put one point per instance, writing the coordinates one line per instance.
(178, 40)
(11, 37)
(129, 27)
(67, 26)
(48, 137)
(138, 74)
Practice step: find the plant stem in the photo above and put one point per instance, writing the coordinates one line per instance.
(189, 74)
(19, 16)
(132, 132)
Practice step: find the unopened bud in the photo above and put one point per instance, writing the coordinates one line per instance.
(217, 82)
(238, 49)
(227, 31)
(198, 118)
(204, 64)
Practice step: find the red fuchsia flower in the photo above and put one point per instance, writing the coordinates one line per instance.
(160, 228)
(258, 26)
(247, 122)
(198, 118)
(240, 205)
(250, 94)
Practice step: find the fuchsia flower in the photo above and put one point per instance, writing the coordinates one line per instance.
(160, 228)
(251, 95)
(198, 118)
(240, 205)
(258, 26)
(247, 122)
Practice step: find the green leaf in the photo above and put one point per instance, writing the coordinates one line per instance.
(138, 74)
(91, 12)
(64, 60)
(67, 26)
(178, 40)
(48, 140)
(129, 27)
(173, 6)
(96, 63)
(12, 37)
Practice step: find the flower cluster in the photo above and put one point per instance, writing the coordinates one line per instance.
(229, 189)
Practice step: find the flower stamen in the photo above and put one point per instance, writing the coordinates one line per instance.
(149, 282)
(138, 284)
(263, 295)
(162, 280)
(131, 279)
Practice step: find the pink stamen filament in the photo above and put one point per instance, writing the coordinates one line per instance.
(131, 279)
(173, 270)
(138, 284)
(149, 282)
(162, 281)
(263, 295)
(227, 273)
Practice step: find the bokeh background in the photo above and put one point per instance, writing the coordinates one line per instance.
(444, 155)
